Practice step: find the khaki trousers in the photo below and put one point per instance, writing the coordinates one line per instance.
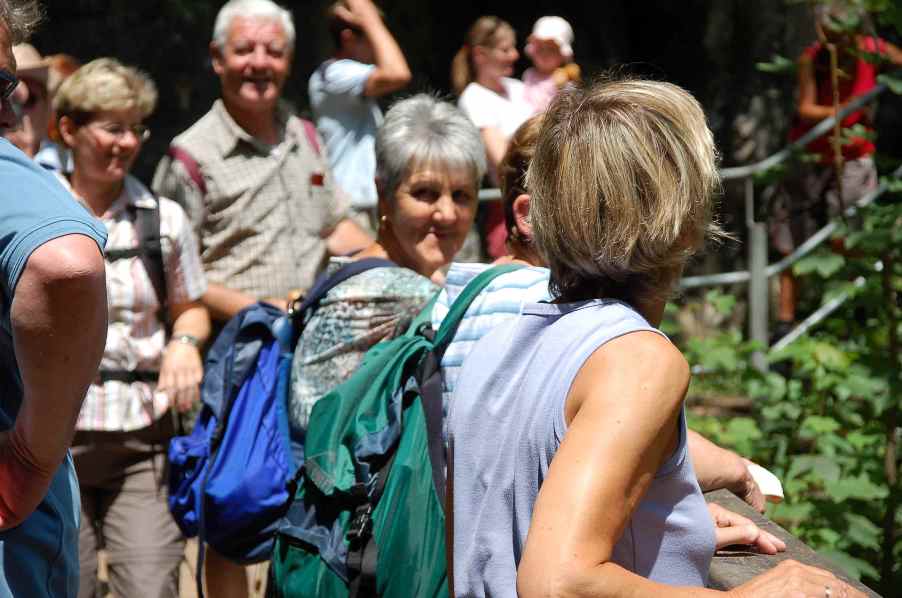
(123, 510)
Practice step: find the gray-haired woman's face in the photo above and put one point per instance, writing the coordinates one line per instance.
(430, 215)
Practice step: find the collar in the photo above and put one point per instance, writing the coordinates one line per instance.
(231, 134)
(134, 194)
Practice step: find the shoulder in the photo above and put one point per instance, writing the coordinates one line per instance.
(473, 92)
(198, 139)
(512, 85)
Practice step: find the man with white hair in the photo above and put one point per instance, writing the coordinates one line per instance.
(52, 329)
(252, 176)
(256, 185)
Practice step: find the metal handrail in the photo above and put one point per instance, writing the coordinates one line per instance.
(741, 172)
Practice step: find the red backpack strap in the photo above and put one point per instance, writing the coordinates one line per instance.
(191, 167)
(310, 132)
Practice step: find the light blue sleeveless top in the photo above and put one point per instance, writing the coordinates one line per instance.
(506, 424)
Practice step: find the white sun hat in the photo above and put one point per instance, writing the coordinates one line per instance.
(556, 29)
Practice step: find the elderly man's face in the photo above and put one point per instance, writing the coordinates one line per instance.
(7, 63)
(253, 64)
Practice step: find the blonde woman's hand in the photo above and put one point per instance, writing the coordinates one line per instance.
(180, 375)
(792, 579)
(732, 529)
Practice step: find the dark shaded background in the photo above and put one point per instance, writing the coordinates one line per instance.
(708, 46)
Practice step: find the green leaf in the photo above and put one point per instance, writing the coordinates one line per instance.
(892, 81)
(818, 425)
(721, 302)
(825, 264)
(860, 487)
(777, 64)
(855, 567)
(862, 531)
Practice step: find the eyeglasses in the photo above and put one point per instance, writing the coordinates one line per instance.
(8, 84)
(119, 131)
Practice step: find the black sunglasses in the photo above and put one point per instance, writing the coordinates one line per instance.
(8, 84)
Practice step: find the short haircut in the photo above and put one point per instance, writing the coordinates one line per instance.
(251, 9)
(21, 17)
(101, 85)
(423, 130)
(513, 167)
(622, 189)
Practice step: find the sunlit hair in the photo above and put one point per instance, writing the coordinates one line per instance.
(485, 32)
(21, 17)
(102, 85)
(251, 9)
(512, 172)
(424, 131)
(622, 189)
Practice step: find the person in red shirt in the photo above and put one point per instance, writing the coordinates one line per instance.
(815, 195)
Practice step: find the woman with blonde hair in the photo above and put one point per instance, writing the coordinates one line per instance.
(151, 366)
(481, 74)
(574, 409)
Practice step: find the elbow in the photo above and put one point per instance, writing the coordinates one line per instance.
(559, 581)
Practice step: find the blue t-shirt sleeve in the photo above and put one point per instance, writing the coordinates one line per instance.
(34, 209)
(346, 77)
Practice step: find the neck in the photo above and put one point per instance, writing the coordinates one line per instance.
(98, 195)
(260, 124)
(386, 247)
(493, 83)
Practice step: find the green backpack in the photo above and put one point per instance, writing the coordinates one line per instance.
(368, 517)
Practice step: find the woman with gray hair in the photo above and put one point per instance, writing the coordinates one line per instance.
(429, 161)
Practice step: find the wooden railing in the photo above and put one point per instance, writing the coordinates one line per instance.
(735, 566)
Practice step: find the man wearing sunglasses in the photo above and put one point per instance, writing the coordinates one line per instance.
(52, 331)
(31, 99)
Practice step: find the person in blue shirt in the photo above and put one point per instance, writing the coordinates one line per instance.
(52, 332)
(367, 64)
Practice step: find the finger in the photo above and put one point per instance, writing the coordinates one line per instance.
(768, 543)
(736, 534)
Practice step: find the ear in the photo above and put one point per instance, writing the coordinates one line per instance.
(67, 130)
(216, 58)
(382, 203)
(521, 215)
(479, 54)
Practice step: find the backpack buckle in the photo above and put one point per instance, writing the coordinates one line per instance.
(361, 525)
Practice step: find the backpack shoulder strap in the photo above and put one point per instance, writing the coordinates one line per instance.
(310, 132)
(449, 325)
(150, 252)
(324, 284)
(182, 156)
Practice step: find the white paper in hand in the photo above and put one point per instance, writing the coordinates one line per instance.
(769, 484)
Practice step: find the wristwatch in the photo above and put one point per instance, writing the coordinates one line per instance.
(187, 339)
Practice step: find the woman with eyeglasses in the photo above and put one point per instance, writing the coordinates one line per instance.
(151, 366)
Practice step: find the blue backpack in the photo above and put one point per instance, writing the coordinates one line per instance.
(231, 479)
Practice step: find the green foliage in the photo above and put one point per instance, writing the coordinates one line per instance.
(778, 64)
(822, 429)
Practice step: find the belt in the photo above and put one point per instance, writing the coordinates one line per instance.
(127, 376)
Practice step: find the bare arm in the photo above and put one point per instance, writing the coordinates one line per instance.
(893, 52)
(495, 146)
(391, 72)
(346, 238)
(807, 105)
(182, 367)
(59, 324)
(716, 468)
(587, 497)
(224, 302)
